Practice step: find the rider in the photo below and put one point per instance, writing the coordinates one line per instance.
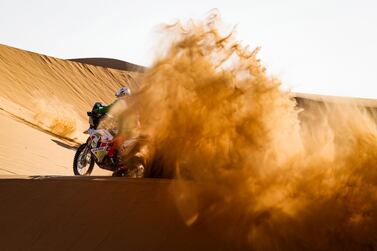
(99, 110)
(127, 123)
(102, 109)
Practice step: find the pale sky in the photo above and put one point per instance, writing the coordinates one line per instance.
(313, 46)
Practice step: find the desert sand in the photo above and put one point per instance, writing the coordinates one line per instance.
(43, 104)
(26, 150)
(94, 213)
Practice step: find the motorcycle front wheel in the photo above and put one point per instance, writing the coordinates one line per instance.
(83, 162)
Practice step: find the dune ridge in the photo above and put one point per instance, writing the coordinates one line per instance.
(110, 63)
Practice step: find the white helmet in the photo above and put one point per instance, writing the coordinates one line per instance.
(123, 91)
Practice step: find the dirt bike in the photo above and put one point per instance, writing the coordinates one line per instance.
(99, 149)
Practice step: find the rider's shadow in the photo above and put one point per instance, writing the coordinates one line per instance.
(65, 145)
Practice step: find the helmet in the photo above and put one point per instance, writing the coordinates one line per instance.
(123, 91)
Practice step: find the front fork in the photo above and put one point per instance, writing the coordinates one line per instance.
(86, 151)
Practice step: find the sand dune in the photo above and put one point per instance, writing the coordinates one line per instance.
(45, 89)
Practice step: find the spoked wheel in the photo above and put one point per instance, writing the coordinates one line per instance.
(83, 162)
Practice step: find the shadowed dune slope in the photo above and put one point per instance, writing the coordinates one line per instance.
(110, 63)
(96, 214)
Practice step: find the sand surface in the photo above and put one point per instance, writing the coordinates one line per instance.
(25, 150)
(96, 214)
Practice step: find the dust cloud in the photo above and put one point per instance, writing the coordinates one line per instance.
(274, 176)
(58, 117)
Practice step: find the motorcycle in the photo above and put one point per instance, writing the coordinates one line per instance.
(126, 160)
